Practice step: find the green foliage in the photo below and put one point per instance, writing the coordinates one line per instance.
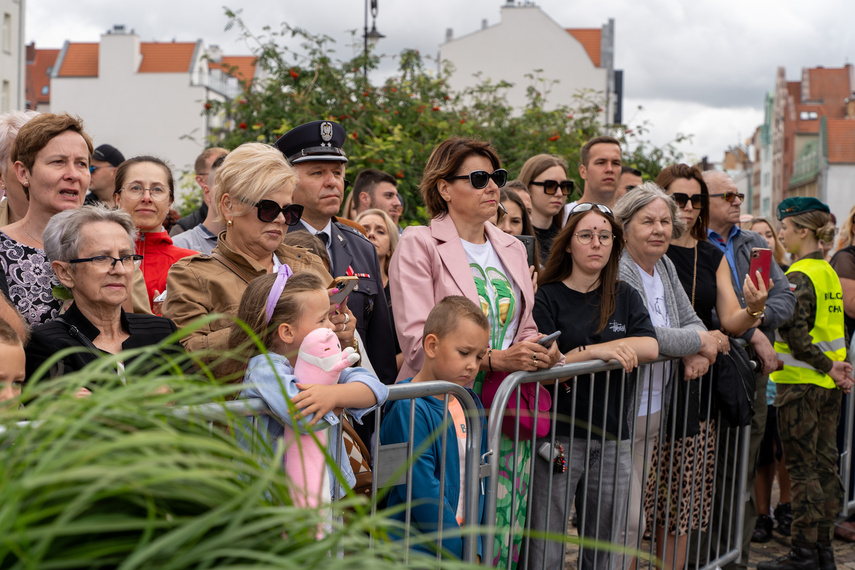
(133, 477)
(394, 127)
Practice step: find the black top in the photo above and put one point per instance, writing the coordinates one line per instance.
(544, 241)
(392, 317)
(709, 259)
(843, 263)
(577, 316)
(49, 338)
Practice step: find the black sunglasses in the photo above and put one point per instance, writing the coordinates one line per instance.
(480, 178)
(698, 200)
(552, 186)
(729, 196)
(268, 211)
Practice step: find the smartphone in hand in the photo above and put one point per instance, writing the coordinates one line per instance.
(761, 260)
(528, 242)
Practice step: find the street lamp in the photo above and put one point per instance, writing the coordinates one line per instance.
(373, 36)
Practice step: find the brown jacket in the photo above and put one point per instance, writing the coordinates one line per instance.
(200, 285)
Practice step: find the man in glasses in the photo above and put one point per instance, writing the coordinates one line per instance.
(629, 178)
(600, 168)
(724, 232)
(314, 150)
(102, 178)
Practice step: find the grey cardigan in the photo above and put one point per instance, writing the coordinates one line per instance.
(681, 338)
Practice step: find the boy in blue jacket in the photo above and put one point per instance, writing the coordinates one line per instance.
(455, 340)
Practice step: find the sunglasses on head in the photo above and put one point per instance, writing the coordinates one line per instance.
(587, 206)
(268, 211)
(480, 178)
(551, 186)
(698, 200)
(729, 196)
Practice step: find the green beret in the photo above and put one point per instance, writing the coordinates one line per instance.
(799, 204)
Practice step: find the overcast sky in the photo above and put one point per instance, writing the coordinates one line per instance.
(699, 67)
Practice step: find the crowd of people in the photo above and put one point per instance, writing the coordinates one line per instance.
(631, 272)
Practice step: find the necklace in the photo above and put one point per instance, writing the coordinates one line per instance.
(34, 238)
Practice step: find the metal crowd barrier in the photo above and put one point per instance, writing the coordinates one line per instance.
(592, 452)
(845, 465)
(390, 463)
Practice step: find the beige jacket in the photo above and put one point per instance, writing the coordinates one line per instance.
(200, 285)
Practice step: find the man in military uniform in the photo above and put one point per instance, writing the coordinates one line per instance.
(314, 150)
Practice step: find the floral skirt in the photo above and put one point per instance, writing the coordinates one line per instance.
(511, 505)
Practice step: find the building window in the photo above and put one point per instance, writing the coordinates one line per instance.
(5, 98)
(49, 70)
(7, 32)
(808, 115)
(45, 89)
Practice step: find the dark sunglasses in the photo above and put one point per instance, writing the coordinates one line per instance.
(552, 186)
(587, 206)
(729, 196)
(698, 200)
(268, 211)
(480, 178)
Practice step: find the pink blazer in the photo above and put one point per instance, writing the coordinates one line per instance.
(430, 264)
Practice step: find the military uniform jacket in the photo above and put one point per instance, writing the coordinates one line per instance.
(353, 254)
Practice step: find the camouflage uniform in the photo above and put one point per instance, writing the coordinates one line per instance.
(807, 421)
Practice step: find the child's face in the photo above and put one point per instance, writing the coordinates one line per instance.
(316, 315)
(457, 356)
(12, 370)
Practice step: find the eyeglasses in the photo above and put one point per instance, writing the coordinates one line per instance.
(92, 169)
(586, 236)
(268, 211)
(136, 191)
(552, 186)
(105, 261)
(729, 196)
(698, 200)
(587, 206)
(480, 178)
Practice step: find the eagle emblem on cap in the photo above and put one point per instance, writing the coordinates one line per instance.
(326, 131)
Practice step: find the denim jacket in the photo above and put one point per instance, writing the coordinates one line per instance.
(271, 378)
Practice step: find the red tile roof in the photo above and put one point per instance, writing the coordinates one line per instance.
(81, 60)
(244, 65)
(591, 40)
(841, 141)
(174, 57)
(38, 76)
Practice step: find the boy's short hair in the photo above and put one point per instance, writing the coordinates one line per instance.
(446, 316)
(8, 334)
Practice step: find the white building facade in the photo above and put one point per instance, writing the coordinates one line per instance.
(527, 42)
(12, 55)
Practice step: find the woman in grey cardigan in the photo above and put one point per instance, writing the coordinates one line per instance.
(650, 219)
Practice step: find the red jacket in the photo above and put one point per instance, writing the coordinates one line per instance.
(158, 256)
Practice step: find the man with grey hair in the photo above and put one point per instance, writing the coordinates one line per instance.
(724, 232)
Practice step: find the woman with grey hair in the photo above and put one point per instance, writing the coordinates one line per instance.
(14, 207)
(91, 251)
(651, 220)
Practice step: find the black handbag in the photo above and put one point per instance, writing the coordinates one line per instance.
(735, 386)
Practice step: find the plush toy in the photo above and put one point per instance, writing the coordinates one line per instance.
(320, 361)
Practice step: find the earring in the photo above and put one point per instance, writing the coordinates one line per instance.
(229, 223)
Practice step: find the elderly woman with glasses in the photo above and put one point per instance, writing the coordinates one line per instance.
(461, 253)
(145, 189)
(253, 198)
(608, 321)
(91, 251)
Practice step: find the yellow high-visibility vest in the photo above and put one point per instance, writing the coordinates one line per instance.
(828, 331)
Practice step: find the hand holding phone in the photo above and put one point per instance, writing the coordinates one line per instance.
(547, 341)
(345, 285)
(761, 260)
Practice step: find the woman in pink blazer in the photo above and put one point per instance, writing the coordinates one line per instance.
(461, 253)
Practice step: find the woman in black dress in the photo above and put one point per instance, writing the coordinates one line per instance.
(706, 278)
